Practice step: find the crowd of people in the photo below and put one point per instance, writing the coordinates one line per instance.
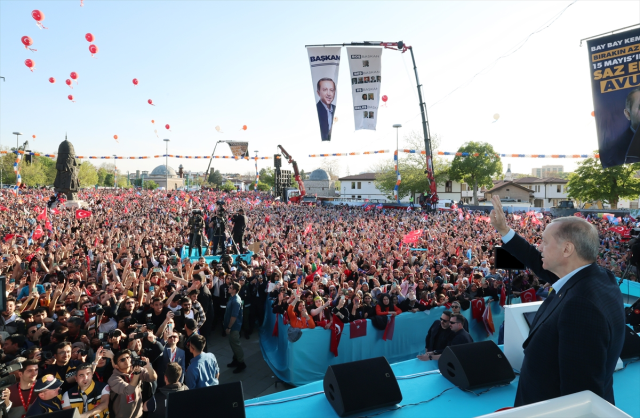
(103, 314)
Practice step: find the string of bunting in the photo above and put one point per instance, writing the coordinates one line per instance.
(459, 154)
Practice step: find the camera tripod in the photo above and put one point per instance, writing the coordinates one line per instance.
(224, 234)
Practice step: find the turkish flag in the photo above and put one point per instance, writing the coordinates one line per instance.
(516, 217)
(487, 318)
(81, 214)
(477, 309)
(37, 233)
(8, 237)
(503, 296)
(267, 218)
(275, 327)
(412, 236)
(55, 211)
(48, 226)
(528, 296)
(309, 278)
(388, 331)
(358, 328)
(43, 215)
(336, 334)
(4, 208)
(307, 229)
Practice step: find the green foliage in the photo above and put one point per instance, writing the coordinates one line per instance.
(102, 174)
(87, 174)
(228, 186)
(411, 167)
(590, 182)
(215, 178)
(268, 176)
(150, 185)
(108, 180)
(476, 171)
(33, 174)
(261, 186)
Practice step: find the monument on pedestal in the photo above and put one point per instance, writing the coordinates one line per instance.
(66, 181)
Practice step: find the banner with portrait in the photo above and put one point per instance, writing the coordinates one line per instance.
(325, 63)
(365, 68)
(614, 62)
(239, 148)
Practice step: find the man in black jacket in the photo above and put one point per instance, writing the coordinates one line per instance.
(172, 384)
(460, 335)
(438, 337)
(577, 334)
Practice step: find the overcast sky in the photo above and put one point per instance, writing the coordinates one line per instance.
(229, 64)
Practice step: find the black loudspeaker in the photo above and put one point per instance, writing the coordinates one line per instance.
(361, 385)
(475, 365)
(631, 347)
(65, 413)
(226, 400)
(277, 160)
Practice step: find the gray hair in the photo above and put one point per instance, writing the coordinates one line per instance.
(581, 234)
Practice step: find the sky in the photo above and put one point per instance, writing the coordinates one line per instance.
(206, 64)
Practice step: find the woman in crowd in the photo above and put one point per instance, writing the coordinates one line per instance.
(386, 307)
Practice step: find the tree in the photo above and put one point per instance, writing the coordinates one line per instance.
(261, 186)
(102, 174)
(228, 186)
(215, 178)
(590, 182)
(411, 166)
(268, 176)
(476, 170)
(87, 174)
(332, 167)
(33, 174)
(108, 180)
(150, 185)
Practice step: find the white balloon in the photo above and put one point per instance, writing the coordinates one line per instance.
(218, 128)
(335, 119)
(496, 116)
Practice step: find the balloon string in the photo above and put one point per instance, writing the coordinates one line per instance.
(40, 25)
(33, 50)
(81, 3)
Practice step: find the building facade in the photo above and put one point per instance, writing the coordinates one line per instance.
(319, 184)
(547, 171)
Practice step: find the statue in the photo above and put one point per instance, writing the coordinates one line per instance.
(67, 171)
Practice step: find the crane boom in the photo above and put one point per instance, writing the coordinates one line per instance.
(296, 172)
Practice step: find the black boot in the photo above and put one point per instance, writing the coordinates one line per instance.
(234, 363)
(241, 367)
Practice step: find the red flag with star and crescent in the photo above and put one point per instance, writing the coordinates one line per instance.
(336, 334)
(358, 328)
(81, 214)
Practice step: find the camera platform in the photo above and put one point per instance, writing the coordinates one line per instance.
(209, 258)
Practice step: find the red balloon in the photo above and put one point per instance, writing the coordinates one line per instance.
(27, 41)
(68, 82)
(89, 37)
(167, 126)
(93, 49)
(70, 97)
(135, 81)
(150, 102)
(244, 127)
(29, 63)
(74, 75)
(52, 80)
(385, 98)
(37, 15)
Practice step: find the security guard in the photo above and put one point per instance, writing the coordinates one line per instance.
(47, 388)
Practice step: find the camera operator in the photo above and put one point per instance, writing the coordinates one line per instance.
(126, 384)
(145, 344)
(22, 392)
(239, 225)
(196, 223)
(217, 230)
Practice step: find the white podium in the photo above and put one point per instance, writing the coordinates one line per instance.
(516, 330)
(583, 404)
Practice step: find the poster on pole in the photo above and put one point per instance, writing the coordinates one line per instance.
(614, 62)
(239, 148)
(365, 70)
(325, 63)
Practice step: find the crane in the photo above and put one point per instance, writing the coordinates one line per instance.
(296, 172)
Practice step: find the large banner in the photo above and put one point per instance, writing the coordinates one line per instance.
(239, 148)
(325, 63)
(365, 67)
(615, 85)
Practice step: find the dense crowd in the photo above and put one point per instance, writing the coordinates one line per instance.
(121, 268)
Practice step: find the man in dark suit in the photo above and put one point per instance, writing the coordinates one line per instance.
(437, 338)
(460, 335)
(326, 110)
(577, 334)
(171, 354)
(625, 148)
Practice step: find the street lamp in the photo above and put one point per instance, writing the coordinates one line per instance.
(17, 134)
(115, 170)
(397, 126)
(166, 164)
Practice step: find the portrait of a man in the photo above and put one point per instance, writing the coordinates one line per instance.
(632, 113)
(326, 89)
(370, 96)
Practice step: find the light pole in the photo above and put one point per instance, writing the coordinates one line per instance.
(397, 126)
(166, 163)
(17, 134)
(206, 173)
(115, 170)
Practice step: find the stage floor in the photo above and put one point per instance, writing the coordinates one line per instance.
(305, 401)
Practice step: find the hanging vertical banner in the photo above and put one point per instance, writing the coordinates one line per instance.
(614, 62)
(365, 67)
(325, 63)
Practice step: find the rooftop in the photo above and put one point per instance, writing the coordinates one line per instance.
(363, 176)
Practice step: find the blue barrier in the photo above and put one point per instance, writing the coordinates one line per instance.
(306, 360)
(209, 258)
